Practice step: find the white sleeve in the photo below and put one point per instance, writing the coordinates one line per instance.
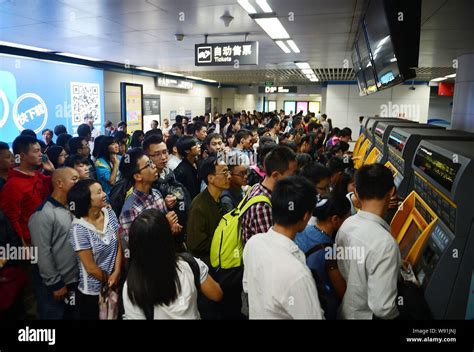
(203, 270)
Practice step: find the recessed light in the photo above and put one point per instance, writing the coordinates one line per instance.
(273, 27)
(283, 46)
(293, 46)
(247, 7)
(303, 65)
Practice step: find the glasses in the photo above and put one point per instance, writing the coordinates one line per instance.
(149, 164)
(241, 174)
(225, 173)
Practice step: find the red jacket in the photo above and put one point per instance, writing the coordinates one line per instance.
(20, 197)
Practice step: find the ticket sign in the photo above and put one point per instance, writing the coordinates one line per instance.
(226, 54)
(275, 89)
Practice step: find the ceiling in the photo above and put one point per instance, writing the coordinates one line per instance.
(142, 33)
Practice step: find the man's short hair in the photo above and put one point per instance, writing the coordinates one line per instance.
(83, 130)
(129, 163)
(292, 198)
(153, 139)
(75, 143)
(47, 130)
(185, 144)
(60, 129)
(278, 160)
(241, 134)
(22, 144)
(207, 167)
(373, 181)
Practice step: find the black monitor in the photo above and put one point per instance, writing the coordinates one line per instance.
(388, 43)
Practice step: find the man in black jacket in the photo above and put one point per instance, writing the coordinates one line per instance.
(156, 149)
(186, 172)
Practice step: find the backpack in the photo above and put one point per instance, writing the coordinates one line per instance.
(326, 299)
(188, 258)
(227, 245)
(118, 195)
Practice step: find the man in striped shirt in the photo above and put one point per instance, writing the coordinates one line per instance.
(279, 163)
(139, 169)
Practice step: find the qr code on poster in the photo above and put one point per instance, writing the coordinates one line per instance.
(85, 99)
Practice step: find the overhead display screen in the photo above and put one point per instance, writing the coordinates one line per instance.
(440, 168)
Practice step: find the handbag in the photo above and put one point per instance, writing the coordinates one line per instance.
(108, 304)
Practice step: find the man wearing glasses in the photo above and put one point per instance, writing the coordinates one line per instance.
(142, 172)
(231, 197)
(166, 183)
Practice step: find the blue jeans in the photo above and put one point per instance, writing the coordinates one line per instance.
(48, 307)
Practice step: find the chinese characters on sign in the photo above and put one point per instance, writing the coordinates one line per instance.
(173, 83)
(226, 54)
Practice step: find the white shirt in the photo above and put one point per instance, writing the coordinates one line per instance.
(94, 134)
(277, 280)
(173, 162)
(185, 305)
(372, 279)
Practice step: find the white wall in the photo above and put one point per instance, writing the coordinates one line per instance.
(344, 105)
(171, 99)
(440, 108)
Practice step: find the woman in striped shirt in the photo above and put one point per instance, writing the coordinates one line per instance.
(94, 238)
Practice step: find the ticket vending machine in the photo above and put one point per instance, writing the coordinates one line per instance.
(402, 145)
(435, 226)
(362, 135)
(381, 131)
(367, 141)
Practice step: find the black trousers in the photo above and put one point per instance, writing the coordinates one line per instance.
(88, 306)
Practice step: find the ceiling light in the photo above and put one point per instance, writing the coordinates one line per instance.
(264, 6)
(79, 57)
(273, 27)
(393, 59)
(27, 47)
(307, 71)
(193, 77)
(283, 46)
(209, 80)
(247, 7)
(315, 79)
(303, 65)
(451, 76)
(439, 79)
(148, 69)
(173, 74)
(293, 46)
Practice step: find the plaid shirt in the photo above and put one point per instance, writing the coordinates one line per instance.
(134, 205)
(258, 218)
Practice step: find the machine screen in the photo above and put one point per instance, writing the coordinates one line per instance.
(440, 168)
(409, 239)
(379, 131)
(397, 141)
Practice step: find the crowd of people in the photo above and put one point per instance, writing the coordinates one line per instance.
(136, 215)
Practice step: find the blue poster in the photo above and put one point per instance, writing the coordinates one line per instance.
(38, 94)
